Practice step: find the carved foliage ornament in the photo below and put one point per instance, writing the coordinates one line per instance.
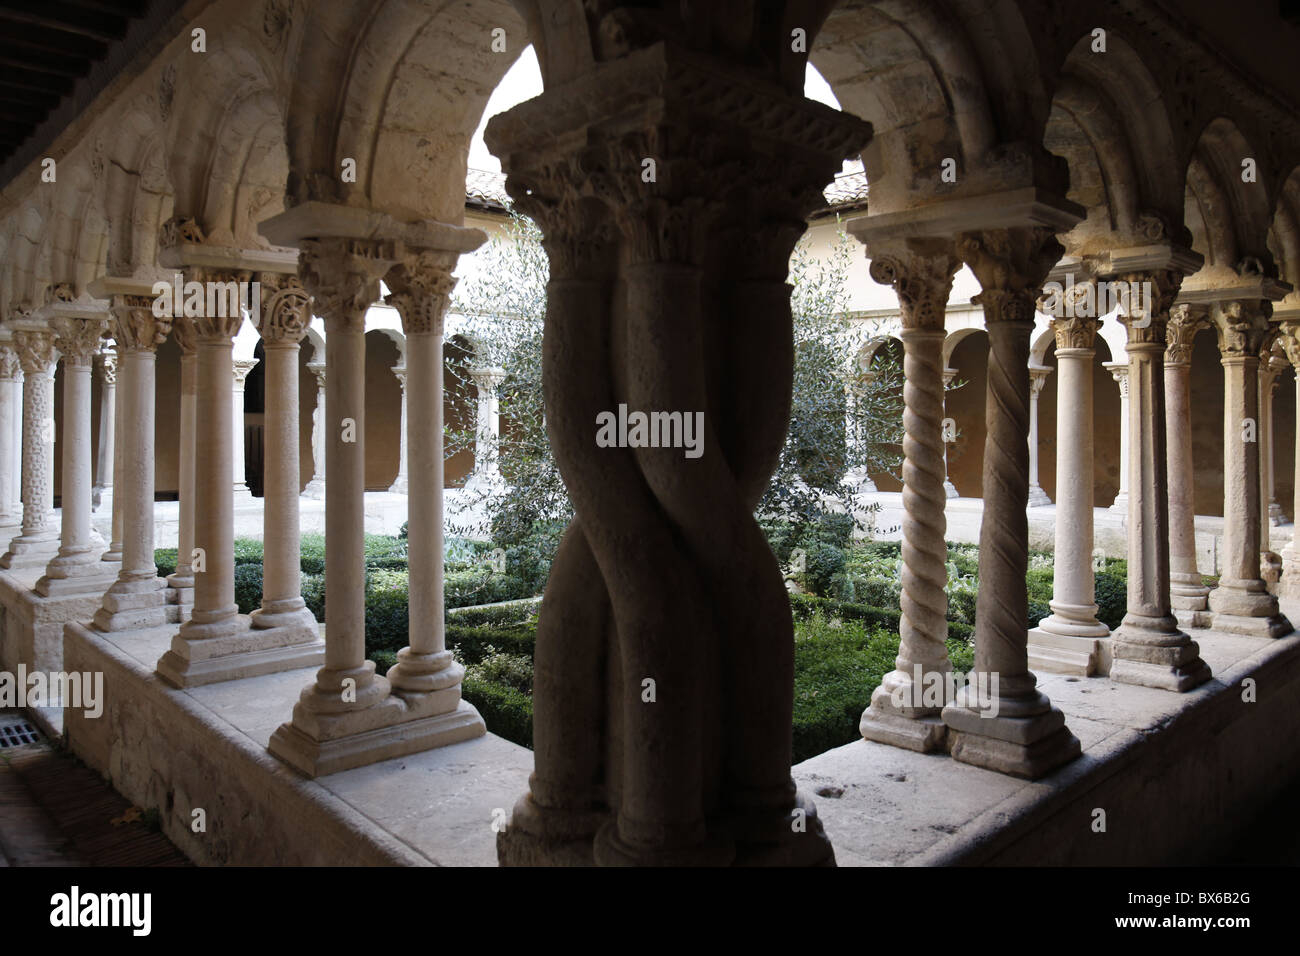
(1010, 265)
(422, 284)
(9, 366)
(343, 276)
(78, 339)
(1184, 322)
(921, 282)
(1074, 333)
(1145, 299)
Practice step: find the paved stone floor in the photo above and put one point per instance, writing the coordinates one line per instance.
(56, 812)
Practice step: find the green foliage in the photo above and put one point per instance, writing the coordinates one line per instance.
(507, 711)
(312, 547)
(501, 615)
(313, 592)
(165, 559)
(472, 644)
(248, 551)
(387, 614)
(248, 587)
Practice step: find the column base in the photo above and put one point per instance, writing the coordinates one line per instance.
(549, 836)
(398, 487)
(784, 838)
(298, 617)
(1196, 619)
(1038, 497)
(133, 605)
(1275, 625)
(882, 723)
(30, 551)
(232, 650)
(1153, 652)
(1243, 599)
(315, 489)
(112, 555)
(1081, 654)
(95, 577)
(1289, 586)
(1029, 746)
(358, 738)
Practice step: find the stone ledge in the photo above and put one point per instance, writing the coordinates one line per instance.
(206, 747)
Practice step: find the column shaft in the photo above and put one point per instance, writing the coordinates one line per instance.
(1187, 591)
(10, 413)
(38, 539)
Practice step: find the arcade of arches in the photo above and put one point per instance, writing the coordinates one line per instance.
(1105, 150)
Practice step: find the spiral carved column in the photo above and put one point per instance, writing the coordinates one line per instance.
(664, 668)
(1148, 647)
(1187, 590)
(905, 709)
(1241, 602)
(1000, 720)
(39, 538)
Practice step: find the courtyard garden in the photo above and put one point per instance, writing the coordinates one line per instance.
(844, 602)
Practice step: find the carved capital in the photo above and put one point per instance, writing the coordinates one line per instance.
(1010, 265)
(1145, 299)
(1289, 340)
(185, 334)
(35, 351)
(1038, 378)
(421, 285)
(1184, 322)
(487, 379)
(922, 281)
(225, 298)
(318, 369)
(399, 372)
(285, 309)
(1242, 327)
(1075, 333)
(241, 368)
(77, 339)
(134, 325)
(343, 276)
(9, 365)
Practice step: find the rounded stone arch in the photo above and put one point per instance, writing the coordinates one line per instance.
(402, 102)
(1044, 340)
(226, 150)
(29, 254)
(1110, 122)
(938, 81)
(313, 343)
(871, 349)
(1229, 219)
(78, 229)
(137, 192)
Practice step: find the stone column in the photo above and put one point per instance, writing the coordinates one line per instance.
(1289, 585)
(1241, 602)
(1148, 648)
(316, 487)
(426, 676)
(286, 311)
(1071, 639)
(1119, 372)
(486, 477)
(399, 485)
(240, 369)
(1187, 591)
(107, 424)
(1037, 379)
(1270, 367)
(949, 489)
(10, 414)
(39, 538)
(348, 717)
(1009, 726)
(182, 580)
(76, 569)
(114, 553)
(217, 643)
(137, 599)
(857, 479)
(905, 709)
(664, 659)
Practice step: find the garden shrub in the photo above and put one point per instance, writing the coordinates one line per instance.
(165, 559)
(472, 644)
(507, 711)
(248, 587)
(387, 614)
(822, 562)
(1112, 597)
(501, 615)
(313, 553)
(248, 551)
(313, 592)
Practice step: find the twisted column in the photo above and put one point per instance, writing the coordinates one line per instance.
(1037, 379)
(1119, 372)
(1148, 647)
(10, 414)
(137, 599)
(1008, 726)
(905, 709)
(181, 581)
(76, 569)
(1069, 640)
(316, 487)
(1187, 591)
(683, 669)
(426, 676)
(400, 484)
(39, 538)
(1241, 602)
(107, 424)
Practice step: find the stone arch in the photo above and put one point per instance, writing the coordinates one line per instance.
(1109, 121)
(938, 81)
(29, 269)
(402, 100)
(137, 190)
(1228, 218)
